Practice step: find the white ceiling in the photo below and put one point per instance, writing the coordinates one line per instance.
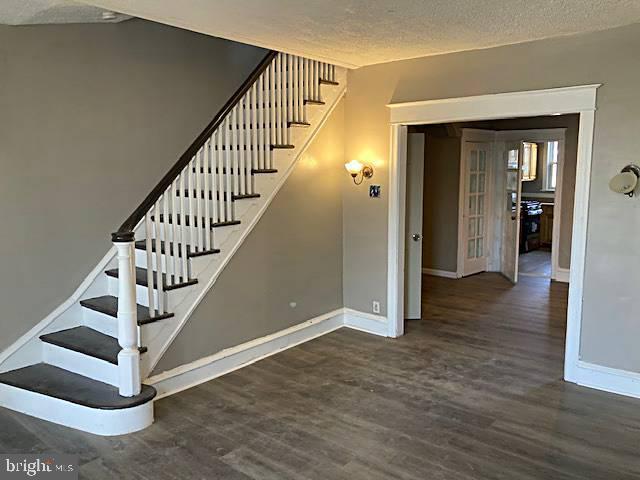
(362, 32)
(34, 12)
(350, 32)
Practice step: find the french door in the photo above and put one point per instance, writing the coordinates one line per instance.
(475, 242)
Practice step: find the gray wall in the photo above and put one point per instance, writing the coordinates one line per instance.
(91, 117)
(294, 254)
(440, 211)
(610, 326)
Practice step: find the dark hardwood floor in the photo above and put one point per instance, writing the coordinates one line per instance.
(473, 391)
(536, 263)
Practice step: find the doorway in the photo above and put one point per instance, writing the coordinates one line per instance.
(579, 100)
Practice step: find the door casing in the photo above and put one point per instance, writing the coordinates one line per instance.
(579, 99)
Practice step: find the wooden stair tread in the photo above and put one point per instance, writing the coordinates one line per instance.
(141, 279)
(324, 81)
(59, 383)
(234, 197)
(250, 147)
(188, 220)
(254, 171)
(314, 102)
(108, 304)
(142, 245)
(87, 341)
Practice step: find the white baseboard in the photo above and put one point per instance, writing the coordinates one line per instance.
(562, 275)
(230, 359)
(366, 322)
(607, 379)
(194, 373)
(92, 420)
(439, 273)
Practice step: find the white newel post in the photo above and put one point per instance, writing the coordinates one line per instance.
(129, 356)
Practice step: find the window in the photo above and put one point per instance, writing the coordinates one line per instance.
(550, 172)
(529, 161)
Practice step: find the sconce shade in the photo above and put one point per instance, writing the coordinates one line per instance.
(624, 182)
(354, 167)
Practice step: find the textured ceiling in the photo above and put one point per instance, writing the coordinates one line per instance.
(33, 12)
(362, 32)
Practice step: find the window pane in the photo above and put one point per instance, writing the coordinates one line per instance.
(482, 163)
(471, 249)
(472, 227)
(479, 230)
(481, 182)
(472, 205)
(479, 252)
(554, 173)
(473, 165)
(473, 183)
(480, 204)
(512, 159)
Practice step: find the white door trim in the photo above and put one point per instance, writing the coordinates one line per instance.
(577, 99)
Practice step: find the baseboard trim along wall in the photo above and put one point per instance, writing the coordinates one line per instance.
(230, 359)
(562, 275)
(439, 273)
(226, 361)
(621, 382)
(365, 322)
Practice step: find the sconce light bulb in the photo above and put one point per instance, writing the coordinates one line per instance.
(354, 167)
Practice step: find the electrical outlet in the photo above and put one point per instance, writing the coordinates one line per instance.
(376, 306)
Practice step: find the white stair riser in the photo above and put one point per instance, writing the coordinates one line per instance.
(220, 234)
(141, 292)
(172, 297)
(80, 363)
(101, 322)
(93, 420)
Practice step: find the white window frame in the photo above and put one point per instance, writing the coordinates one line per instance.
(545, 171)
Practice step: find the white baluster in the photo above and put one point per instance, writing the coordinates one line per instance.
(255, 145)
(305, 88)
(129, 356)
(166, 265)
(263, 121)
(174, 246)
(224, 166)
(278, 100)
(242, 152)
(158, 240)
(193, 234)
(229, 164)
(208, 197)
(296, 105)
(284, 100)
(149, 251)
(200, 228)
(290, 106)
(184, 257)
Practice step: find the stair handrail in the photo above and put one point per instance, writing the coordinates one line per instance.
(126, 231)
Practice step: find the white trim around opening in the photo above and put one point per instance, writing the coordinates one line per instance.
(575, 99)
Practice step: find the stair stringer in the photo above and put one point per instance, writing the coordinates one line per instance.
(183, 302)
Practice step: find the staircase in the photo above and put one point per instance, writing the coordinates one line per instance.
(84, 365)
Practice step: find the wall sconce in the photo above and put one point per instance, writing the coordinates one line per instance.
(626, 181)
(355, 169)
